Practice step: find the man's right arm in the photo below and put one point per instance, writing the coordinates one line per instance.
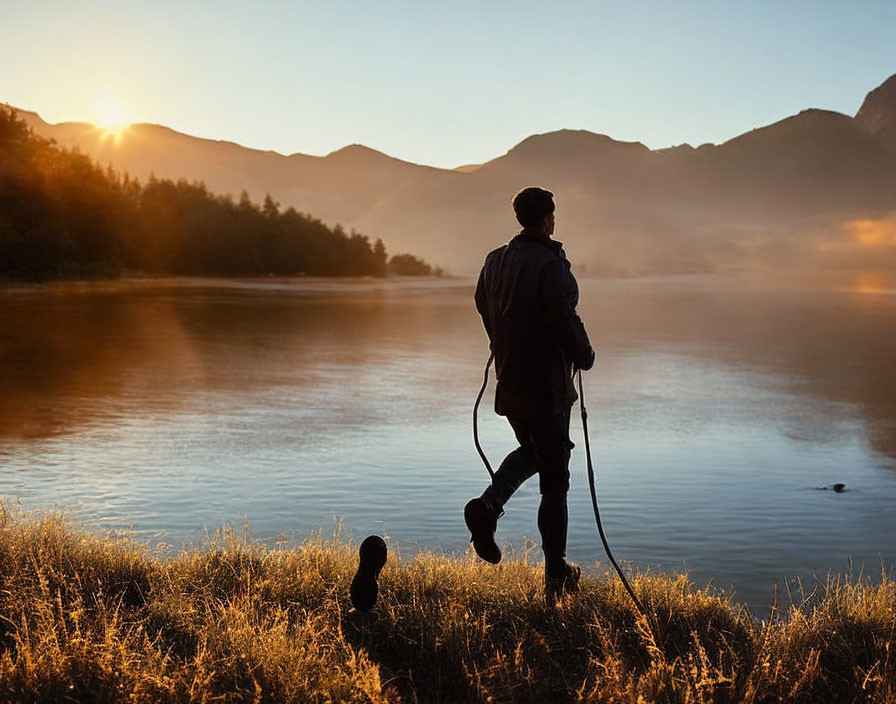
(561, 296)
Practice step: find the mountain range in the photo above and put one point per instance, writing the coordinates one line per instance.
(816, 191)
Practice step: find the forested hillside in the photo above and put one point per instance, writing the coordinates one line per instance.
(62, 216)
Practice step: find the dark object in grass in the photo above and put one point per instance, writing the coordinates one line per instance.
(364, 588)
(482, 523)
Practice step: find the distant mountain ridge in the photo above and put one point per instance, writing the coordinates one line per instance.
(877, 116)
(335, 188)
(779, 195)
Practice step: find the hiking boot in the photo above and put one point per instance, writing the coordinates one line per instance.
(482, 522)
(364, 588)
(556, 587)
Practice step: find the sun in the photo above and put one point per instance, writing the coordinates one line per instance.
(111, 117)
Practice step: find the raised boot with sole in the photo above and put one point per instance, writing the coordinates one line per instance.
(482, 522)
(364, 588)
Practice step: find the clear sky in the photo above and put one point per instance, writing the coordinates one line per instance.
(444, 83)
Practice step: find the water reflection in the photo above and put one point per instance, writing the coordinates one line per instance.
(74, 356)
(834, 346)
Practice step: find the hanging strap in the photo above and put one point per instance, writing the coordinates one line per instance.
(488, 365)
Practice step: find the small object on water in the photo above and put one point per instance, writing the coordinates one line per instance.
(839, 487)
(364, 588)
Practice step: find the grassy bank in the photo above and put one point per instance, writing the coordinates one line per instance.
(88, 619)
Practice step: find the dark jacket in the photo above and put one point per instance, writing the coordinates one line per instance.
(527, 298)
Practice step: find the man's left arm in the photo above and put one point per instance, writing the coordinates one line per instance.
(481, 303)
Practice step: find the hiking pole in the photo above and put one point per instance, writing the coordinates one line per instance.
(600, 527)
(488, 365)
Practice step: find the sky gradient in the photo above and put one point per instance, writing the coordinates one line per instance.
(445, 84)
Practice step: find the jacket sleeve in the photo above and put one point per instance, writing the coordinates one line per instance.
(481, 305)
(560, 294)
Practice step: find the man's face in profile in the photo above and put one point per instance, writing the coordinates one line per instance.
(549, 224)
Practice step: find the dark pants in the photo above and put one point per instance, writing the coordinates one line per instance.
(544, 448)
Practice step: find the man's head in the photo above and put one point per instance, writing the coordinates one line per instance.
(534, 208)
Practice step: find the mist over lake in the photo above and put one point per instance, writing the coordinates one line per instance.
(718, 410)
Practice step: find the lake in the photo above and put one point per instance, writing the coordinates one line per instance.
(718, 409)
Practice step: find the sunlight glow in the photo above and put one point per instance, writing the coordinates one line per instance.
(874, 232)
(112, 118)
(873, 284)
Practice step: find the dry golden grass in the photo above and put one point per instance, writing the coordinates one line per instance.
(91, 619)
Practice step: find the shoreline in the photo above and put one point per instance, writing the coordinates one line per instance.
(752, 281)
(299, 283)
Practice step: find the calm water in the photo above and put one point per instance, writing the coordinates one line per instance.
(717, 408)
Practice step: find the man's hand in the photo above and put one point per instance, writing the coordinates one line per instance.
(585, 367)
(591, 363)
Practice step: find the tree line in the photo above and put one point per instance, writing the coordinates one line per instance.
(63, 216)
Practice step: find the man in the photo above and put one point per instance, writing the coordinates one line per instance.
(527, 298)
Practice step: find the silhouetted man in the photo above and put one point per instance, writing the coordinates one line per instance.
(527, 298)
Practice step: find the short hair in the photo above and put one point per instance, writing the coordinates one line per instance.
(532, 205)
